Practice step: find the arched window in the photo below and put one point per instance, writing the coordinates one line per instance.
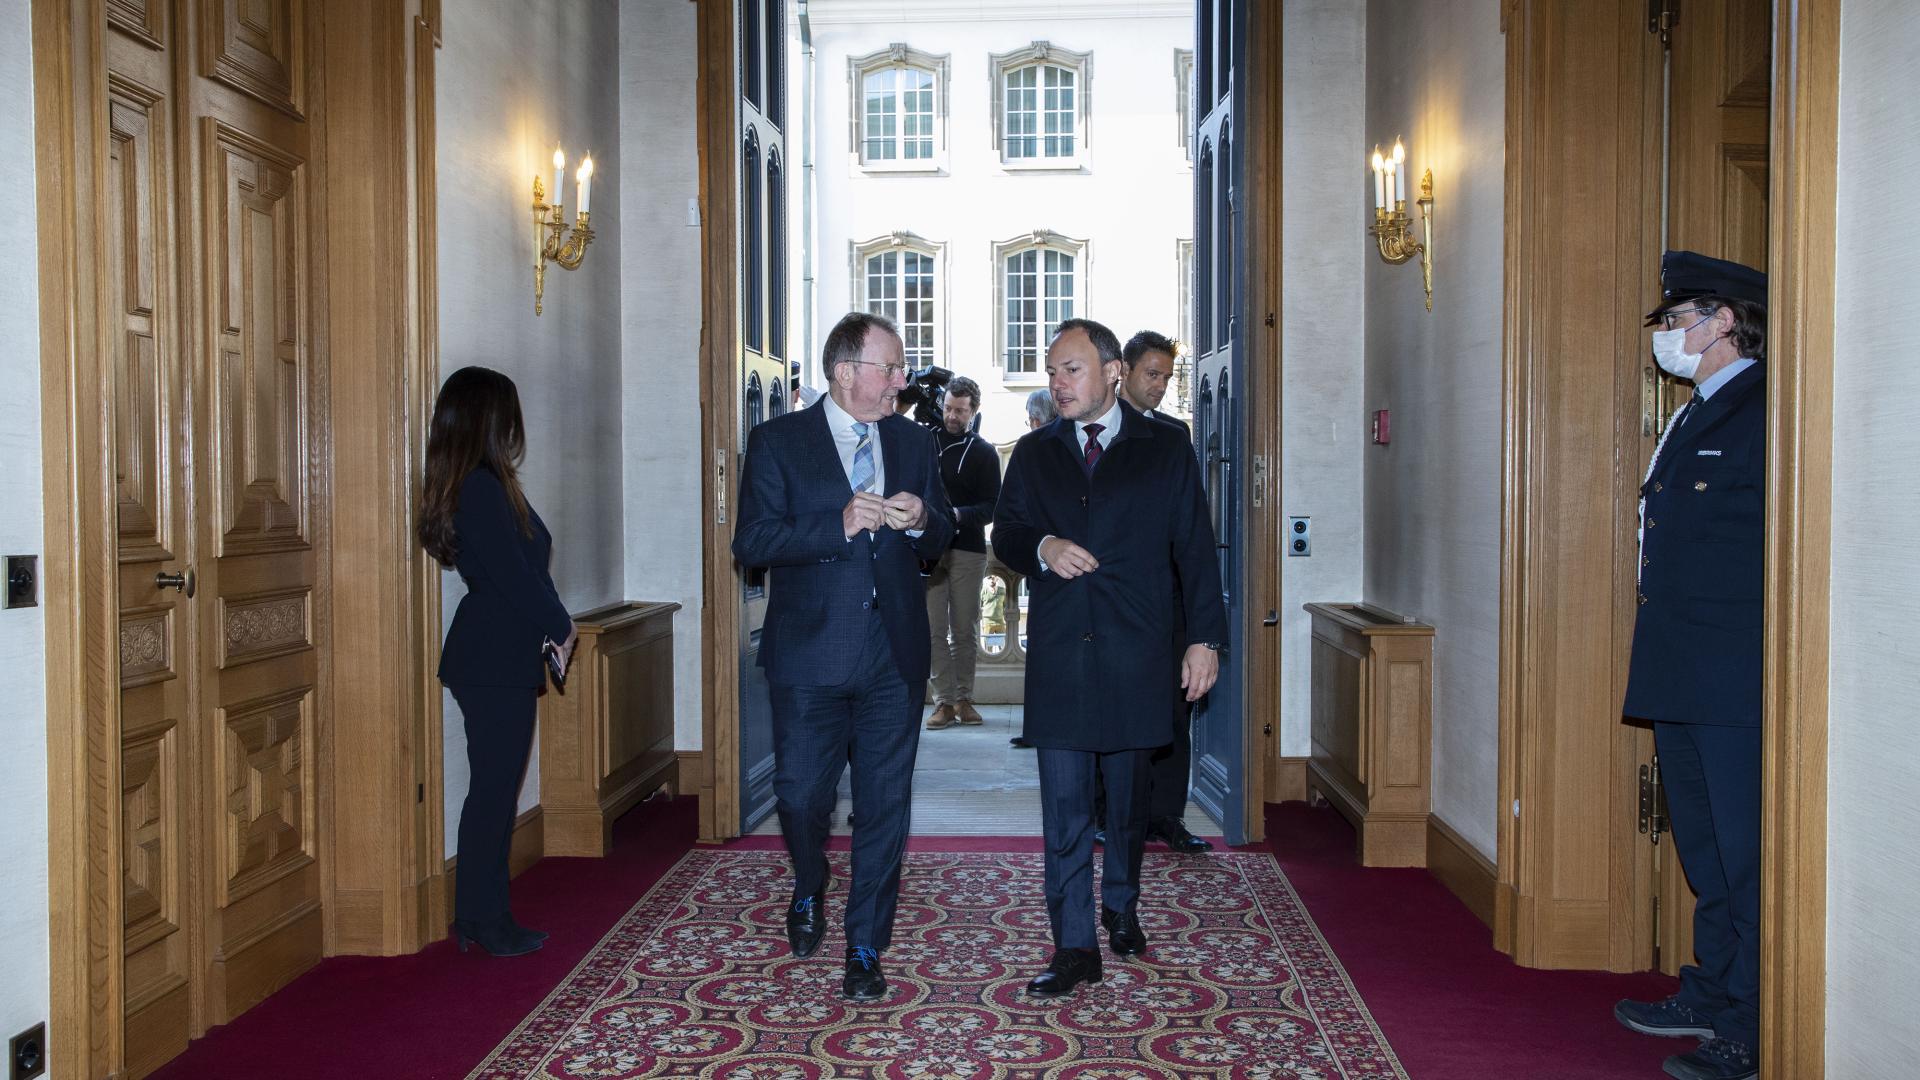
(1040, 283)
(899, 99)
(776, 399)
(753, 246)
(1223, 244)
(897, 275)
(1040, 105)
(776, 258)
(756, 401)
(1203, 239)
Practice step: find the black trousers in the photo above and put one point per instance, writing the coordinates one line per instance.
(1712, 779)
(873, 722)
(499, 724)
(1069, 780)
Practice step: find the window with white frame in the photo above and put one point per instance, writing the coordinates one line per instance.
(899, 109)
(1039, 283)
(1040, 105)
(898, 276)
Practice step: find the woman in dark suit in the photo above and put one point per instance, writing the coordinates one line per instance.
(474, 518)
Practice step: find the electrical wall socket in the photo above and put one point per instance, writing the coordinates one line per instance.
(27, 1054)
(1299, 537)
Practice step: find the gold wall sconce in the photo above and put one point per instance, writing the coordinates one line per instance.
(1392, 228)
(551, 241)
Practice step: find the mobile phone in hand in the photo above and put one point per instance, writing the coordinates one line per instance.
(554, 667)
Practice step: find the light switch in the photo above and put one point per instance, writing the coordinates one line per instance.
(23, 581)
(693, 213)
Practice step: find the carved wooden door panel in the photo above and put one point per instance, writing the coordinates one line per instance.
(158, 640)
(1720, 65)
(218, 383)
(257, 459)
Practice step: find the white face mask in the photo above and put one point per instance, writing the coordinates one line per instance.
(1670, 352)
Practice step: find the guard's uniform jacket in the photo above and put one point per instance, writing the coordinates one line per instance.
(1697, 644)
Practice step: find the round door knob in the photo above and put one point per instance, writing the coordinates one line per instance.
(185, 581)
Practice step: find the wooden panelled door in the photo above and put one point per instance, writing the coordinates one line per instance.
(1220, 381)
(217, 380)
(1720, 75)
(761, 40)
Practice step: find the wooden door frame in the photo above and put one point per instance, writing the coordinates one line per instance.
(717, 105)
(1802, 163)
(375, 718)
(1264, 366)
(717, 110)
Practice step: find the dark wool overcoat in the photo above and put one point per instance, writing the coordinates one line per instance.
(1100, 647)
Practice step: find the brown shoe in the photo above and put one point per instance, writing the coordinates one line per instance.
(968, 714)
(942, 717)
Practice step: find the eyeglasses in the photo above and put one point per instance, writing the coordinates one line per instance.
(892, 369)
(1667, 318)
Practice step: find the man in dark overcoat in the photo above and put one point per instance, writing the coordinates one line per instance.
(1697, 649)
(1099, 510)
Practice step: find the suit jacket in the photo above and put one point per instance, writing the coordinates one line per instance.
(822, 585)
(1697, 635)
(1169, 418)
(1100, 646)
(511, 606)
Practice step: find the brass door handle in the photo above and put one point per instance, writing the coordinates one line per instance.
(185, 581)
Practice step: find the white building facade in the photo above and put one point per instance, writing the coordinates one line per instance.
(983, 171)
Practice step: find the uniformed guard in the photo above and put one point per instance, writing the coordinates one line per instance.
(1696, 667)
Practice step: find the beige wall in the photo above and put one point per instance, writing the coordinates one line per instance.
(1435, 77)
(660, 330)
(1873, 886)
(1323, 272)
(514, 78)
(23, 716)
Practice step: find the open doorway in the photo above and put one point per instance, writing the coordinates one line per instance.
(979, 180)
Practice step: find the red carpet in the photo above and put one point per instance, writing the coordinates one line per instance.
(1452, 1008)
(697, 980)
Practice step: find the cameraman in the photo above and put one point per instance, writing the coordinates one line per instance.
(970, 468)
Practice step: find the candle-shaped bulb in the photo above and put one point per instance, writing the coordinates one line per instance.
(584, 179)
(1399, 152)
(559, 174)
(1379, 180)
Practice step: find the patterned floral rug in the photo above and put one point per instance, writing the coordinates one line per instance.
(696, 981)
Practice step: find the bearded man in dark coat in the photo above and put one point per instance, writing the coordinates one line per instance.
(1099, 510)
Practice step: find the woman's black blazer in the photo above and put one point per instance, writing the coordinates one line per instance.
(511, 606)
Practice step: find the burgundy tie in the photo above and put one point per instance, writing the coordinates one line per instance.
(1093, 446)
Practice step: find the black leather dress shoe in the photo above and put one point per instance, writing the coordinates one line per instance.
(1124, 935)
(1068, 969)
(807, 923)
(864, 982)
(1174, 833)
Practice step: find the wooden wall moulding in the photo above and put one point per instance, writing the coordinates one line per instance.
(1459, 866)
(606, 742)
(1372, 723)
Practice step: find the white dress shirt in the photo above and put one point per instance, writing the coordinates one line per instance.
(1109, 429)
(846, 440)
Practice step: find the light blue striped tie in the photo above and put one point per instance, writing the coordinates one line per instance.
(862, 460)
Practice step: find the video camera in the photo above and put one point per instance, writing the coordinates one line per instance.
(926, 392)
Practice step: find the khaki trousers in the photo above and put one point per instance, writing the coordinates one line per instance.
(953, 607)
